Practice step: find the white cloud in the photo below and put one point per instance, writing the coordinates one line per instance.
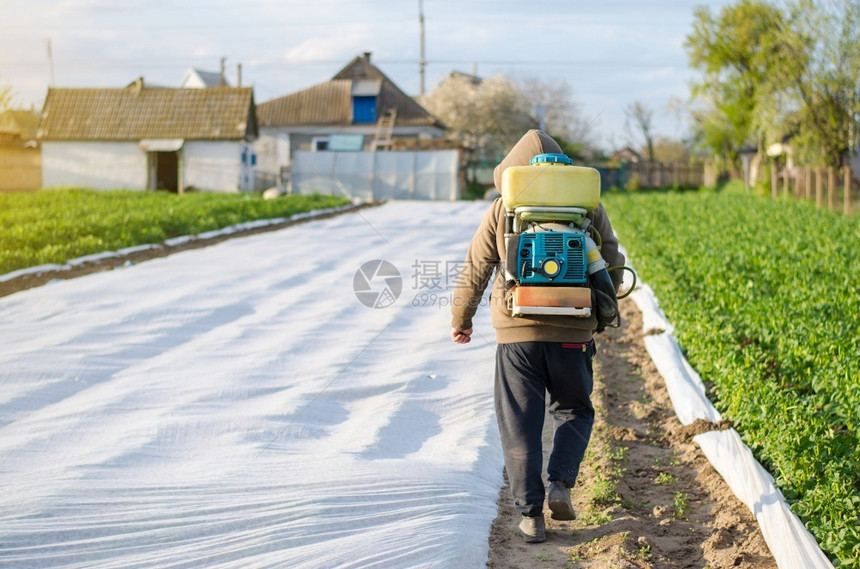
(617, 49)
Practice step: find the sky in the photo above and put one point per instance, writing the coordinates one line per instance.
(611, 53)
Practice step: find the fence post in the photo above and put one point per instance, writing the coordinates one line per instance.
(808, 182)
(831, 189)
(846, 192)
(785, 182)
(819, 191)
(798, 184)
(774, 179)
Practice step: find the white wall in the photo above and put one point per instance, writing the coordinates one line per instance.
(97, 165)
(208, 166)
(276, 147)
(420, 175)
(272, 152)
(212, 166)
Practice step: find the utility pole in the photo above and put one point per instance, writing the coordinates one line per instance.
(221, 78)
(50, 59)
(422, 63)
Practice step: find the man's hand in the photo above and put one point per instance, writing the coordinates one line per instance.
(461, 336)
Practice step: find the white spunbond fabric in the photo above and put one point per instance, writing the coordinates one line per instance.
(684, 385)
(790, 543)
(237, 406)
(653, 319)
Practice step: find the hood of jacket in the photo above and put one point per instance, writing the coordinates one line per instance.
(533, 142)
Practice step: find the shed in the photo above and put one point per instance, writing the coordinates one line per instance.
(357, 109)
(146, 138)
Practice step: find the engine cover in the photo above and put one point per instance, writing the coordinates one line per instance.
(552, 257)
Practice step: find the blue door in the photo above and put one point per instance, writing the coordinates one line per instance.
(364, 109)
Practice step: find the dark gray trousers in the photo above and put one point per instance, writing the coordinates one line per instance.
(525, 372)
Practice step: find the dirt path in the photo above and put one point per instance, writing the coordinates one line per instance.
(646, 495)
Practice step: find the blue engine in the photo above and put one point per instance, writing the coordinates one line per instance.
(552, 257)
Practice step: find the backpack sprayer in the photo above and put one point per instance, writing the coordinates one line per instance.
(553, 264)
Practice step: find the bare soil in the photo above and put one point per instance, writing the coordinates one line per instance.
(646, 495)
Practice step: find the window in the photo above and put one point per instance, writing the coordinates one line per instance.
(319, 143)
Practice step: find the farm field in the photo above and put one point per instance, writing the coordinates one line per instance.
(53, 226)
(238, 406)
(765, 300)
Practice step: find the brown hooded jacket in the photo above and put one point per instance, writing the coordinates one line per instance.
(487, 252)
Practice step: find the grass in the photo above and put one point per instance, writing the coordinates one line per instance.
(665, 478)
(764, 298)
(54, 226)
(682, 505)
(602, 494)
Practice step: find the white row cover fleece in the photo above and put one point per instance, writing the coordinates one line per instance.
(238, 406)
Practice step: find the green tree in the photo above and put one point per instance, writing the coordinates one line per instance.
(770, 73)
(734, 52)
(819, 64)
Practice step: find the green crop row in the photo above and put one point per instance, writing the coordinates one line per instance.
(765, 299)
(54, 226)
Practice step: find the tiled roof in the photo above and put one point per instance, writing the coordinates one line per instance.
(330, 103)
(137, 112)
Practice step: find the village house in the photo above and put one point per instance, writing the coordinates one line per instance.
(199, 79)
(359, 109)
(146, 138)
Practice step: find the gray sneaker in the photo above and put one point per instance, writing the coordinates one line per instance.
(559, 501)
(532, 529)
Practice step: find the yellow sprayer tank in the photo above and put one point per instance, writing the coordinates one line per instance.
(550, 180)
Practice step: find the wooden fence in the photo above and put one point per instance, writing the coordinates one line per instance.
(662, 175)
(20, 168)
(827, 187)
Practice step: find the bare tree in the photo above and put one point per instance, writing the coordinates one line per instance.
(640, 123)
(563, 118)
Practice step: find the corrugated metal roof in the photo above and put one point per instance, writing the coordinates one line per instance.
(330, 103)
(136, 112)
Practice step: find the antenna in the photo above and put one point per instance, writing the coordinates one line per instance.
(422, 63)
